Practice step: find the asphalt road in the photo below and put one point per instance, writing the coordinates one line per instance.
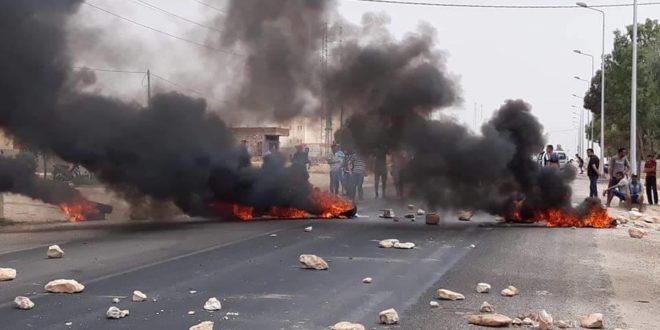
(262, 286)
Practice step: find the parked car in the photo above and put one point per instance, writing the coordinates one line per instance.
(563, 159)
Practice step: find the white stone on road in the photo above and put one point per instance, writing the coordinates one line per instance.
(545, 320)
(206, 325)
(64, 286)
(308, 229)
(593, 321)
(367, 280)
(483, 287)
(388, 243)
(516, 321)
(347, 326)
(139, 296)
(445, 294)
(490, 320)
(23, 303)
(405, 246)
(191, 312)
(213, 304)
(54, 251)
(7, 274)
(486, 308)
(561, 324)
(510, 291)
(115, 300)
(420, 212)
(311, 261)
(388, 316)
(116, 313)
(636, 232)
(434, 304)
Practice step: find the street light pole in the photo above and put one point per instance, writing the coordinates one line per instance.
(591, 137)
(602, 83)
(633, 95)
(591, 115)
(580, 128)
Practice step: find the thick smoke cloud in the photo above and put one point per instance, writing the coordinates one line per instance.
(281, 40)
(174, 150)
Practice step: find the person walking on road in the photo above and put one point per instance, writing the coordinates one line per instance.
(580, 162)
(593, 173)
(357, 169)
(650, 169)
(380, 171)
(336, 161)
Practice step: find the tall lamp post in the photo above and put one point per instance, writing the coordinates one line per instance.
(633, 95)
(589, 115)
(580, 128)
(602, 82)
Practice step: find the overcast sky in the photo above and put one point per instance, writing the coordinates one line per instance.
(496, 53)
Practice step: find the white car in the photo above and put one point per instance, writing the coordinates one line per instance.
(563, 159)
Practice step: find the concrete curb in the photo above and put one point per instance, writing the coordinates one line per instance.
(104, 224)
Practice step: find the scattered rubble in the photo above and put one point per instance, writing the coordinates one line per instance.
(510, 291)
(636, 233)
(192, 291)
(308, 229)
(367, 280)
(68, 323)
(388, 243)
(445, 294)
(273, 235)
(387, 214)
(311, 261)
(434, 304)
(465, 215)
(23, 303)
(544, 320)
(483, 287)
(432, 218)
(7, 274)
(138, 296)
(347, 326)
(213, 304)
(486, 308)
(405, 246)
(411, 207)
(517, 322)
(115, 300)
(420, 212)
(410, 216)
(191, 312)
(64, 286)
(206, 325)
(593, 321)
(561, 324)
(490, 320)
(116, 313)
(529, 322)
(388, 316)
(54, 251)
(634, 214)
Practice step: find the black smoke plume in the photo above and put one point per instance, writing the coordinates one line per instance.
(175, 150)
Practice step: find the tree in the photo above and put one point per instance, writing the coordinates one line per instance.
(618, 68)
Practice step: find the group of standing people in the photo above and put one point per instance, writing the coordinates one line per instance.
(628, 188)
(348, 168)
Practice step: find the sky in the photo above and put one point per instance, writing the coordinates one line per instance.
(496, 54)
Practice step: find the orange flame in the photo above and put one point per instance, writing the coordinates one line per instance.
(328, 204)
(596, 218)
(79, 209)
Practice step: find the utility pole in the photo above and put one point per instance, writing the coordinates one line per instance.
(148, 89)
(324, 102)
(633, 95)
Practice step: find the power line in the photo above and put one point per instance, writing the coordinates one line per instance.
(107, 70)
(456, 5)
(175, 84)
(209, 6)
(154, 7)
(160, 31)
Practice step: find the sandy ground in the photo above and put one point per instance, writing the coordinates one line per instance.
(633, 265)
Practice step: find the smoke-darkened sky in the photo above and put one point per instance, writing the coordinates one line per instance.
(497, 54)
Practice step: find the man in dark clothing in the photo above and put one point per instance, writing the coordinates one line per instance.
(244, 158)
(580, 162)
(650, 169)
(380, 171)
(593, 173)
(550, 159)
(300, 158)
